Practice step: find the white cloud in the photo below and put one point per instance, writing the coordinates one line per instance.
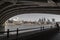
(36, 16)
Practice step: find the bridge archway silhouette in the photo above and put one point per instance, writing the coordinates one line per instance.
(9, 9)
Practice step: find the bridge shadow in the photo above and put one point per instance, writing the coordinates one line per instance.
(44, 35)
(34, 35)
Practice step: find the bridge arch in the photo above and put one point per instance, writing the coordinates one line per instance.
(25, 7)
(21, 9)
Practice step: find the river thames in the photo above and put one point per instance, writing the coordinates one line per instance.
(14, 27)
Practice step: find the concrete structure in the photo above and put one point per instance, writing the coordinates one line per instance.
(46, 34)
(10, 8)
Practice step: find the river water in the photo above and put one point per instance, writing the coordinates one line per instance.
(11, 27)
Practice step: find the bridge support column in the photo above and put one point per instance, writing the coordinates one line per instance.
(2, 28)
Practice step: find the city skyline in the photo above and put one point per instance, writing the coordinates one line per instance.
(35, 17)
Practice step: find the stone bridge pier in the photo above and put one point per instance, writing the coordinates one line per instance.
(2, 28)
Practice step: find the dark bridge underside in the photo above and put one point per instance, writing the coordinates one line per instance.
(9, 9)
(46, 34)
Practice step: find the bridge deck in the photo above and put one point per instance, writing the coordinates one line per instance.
(33, 35)
(56, 36)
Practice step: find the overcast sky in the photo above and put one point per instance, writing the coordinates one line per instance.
(36, 16)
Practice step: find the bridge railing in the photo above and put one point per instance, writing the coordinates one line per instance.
(18, 30)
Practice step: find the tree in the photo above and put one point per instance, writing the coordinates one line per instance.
(53, 20)
(48, 20)
(44, 19)
(39, 20)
